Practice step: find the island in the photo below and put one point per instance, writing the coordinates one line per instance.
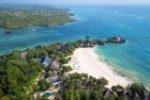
(115, 39)
(14, 17)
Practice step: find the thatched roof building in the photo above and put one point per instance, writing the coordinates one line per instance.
(65, 75)
(53, 73)
(106, 93)
(23, 54)
(52, 79)
(54, 65)
(45, 60)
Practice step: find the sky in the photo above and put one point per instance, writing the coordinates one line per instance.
(77, 1)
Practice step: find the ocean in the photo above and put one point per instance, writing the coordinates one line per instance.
(131, 22)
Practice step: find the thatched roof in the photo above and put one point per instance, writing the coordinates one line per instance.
(23, 54)
(106, 93)
(54, 65)
(53, 73)
(45, 60)
(52, 79)
(65, 75)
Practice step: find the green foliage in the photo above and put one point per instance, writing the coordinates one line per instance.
(116, 88)
(136, 87)
(43, 84)
(36, 88)
(66, 68)
(5, 98)
(85, 94)
(73, 86)
(69, 94)
(43, 98)
(18, 17)
(1, 93)
(16, 75)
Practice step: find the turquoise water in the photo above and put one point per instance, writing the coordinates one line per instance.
(47, 95)
(130, 22)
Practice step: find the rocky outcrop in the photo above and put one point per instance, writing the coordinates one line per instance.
(115, 40)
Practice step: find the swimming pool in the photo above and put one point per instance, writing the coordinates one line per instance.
(47, 94)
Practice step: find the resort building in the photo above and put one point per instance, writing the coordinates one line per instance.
(23, 54)
(52, 79)
(45, 60)
(54, 65)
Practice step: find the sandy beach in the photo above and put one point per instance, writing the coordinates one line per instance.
(85, 60)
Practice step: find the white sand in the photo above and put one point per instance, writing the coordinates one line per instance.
(85, 60)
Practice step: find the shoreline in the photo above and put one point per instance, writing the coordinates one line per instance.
(82, 60)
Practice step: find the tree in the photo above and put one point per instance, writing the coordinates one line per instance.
(116, 88)
(85, 94)
(77, 95)
(95, 95)
(43, 98)
(5, 98)
(68, 94)
(43, 84)
(57, 97)
(136, 87)
(1, 93)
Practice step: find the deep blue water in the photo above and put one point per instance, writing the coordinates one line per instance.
(130, 22)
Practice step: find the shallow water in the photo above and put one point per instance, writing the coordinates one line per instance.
(130, 22)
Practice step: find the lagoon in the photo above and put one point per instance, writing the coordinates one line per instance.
(131, 59)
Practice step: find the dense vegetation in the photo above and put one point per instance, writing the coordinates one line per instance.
(17, 17)
(84, 87)
(18, 74)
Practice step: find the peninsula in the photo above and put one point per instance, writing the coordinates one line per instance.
(45, 72)
(17, 17)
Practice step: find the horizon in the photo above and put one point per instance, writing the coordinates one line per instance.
(81, 2)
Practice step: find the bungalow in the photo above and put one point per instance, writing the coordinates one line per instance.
(23, 54)
(53, 73)
(52, 79)
(45, 60)
(85, 82)
(42, 76)
(107, 93)
(65, 75)
(54, 65)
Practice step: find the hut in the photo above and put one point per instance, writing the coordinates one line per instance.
(58, 45)
(65, 75)
(107, 93)
(23, 54)
(42, 76)
(53, 73)
(54, 65)
(52, 79)
(45, 60)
